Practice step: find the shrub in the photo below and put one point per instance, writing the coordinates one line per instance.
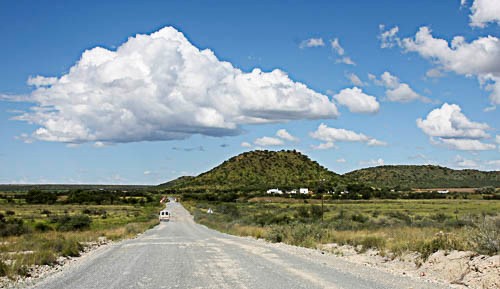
(373, 242)
(441, 241)
(484, 235)
(42, 227)
(45, 212)
(72, 223)
(12, 227)
(10, 213)
(4, 269)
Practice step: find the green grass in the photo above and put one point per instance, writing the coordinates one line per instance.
(43, 240)
(391, 226)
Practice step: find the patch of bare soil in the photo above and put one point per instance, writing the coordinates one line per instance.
(461, 269)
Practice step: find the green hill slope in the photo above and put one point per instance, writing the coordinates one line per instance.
(424, 177)
(259, 170)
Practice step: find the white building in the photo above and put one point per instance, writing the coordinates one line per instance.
(443, 192)
(292, 192)
(304, 191)
(275, 191)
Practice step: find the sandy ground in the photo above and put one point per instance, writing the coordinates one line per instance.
(460, 269)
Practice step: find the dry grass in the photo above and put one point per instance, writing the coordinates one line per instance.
(19, 253)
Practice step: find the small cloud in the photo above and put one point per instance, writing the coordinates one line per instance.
(341, 160)
(189, 149)
(268, 141)
(224, 145)
(323, 146)
(396, 91)
(490, 108)
(465, 163)
(312, 42)
(332, 135)
(346, 60)
(378, 162)
(146, 173)
(283, 134)
(357, 101)
(337, 47)
(388, 38)
(374, 142)
(355, 80)
(434, 73)
(25, 138)
(100, 144)
(246, 144)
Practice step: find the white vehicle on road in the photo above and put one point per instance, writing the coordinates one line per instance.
(164, 216)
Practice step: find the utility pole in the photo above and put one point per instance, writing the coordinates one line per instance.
(322, 201)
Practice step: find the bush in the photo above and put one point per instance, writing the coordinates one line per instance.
(373, 242)
(4, 269)
(10, 213)
(484, 235)
(12, 227)
(72, 223)
(42, 227)
(441, 241)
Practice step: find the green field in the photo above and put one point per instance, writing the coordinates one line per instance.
(391, 226)
(38, 234)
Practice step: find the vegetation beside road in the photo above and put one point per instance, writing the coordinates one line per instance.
(391, 226)
(38, 227)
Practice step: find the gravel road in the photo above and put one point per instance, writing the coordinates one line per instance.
(183, 254)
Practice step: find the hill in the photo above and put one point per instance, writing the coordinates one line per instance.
(426, 176)
(259, 170)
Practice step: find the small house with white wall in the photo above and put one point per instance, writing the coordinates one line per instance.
(443, 192)
(275, 191)
(304, 191)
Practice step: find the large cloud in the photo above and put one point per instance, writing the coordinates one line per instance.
(480, 57)
(448, 125)
(161, 87)
(330, 136)
(484, 11)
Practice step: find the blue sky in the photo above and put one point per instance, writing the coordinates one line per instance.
(343, 81)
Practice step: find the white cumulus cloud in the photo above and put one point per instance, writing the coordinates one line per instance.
(484, 12)
(284, 134)
(329, 136)
(161, 87)
(480, 57)
(448, 125)
(357, 101)
(448, 121)
(397, 91)
(246, 144)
